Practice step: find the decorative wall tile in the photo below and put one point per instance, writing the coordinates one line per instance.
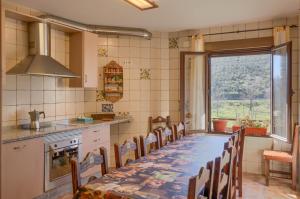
(145, 74)
(173, 42)
(100, 96)
(102, 52)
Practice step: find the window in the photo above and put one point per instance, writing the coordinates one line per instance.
(281, 92)
(257, 86)
(233, 84)
(241, 87)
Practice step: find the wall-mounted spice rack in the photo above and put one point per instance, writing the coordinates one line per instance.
(113, 81)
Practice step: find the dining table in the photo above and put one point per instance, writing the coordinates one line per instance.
(162, 174)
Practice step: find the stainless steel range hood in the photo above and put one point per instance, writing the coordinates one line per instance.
(39, 61)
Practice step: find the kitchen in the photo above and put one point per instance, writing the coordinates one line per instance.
(87, 62)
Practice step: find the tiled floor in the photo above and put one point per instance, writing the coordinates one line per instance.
(254, 188)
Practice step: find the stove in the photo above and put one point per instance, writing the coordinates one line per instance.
(60, 148)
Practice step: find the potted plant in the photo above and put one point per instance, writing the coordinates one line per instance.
(252, 127)
(219, 125)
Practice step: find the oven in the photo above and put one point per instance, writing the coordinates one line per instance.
(59, 150)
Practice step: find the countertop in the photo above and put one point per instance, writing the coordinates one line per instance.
(14, 134)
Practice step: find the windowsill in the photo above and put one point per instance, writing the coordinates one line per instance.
(230, 132)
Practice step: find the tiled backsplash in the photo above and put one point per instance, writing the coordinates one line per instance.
(23, 93)
(142, 97)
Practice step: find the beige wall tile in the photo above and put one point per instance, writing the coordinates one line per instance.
(9, 97)
(60, 96)
(37, 83)
(23, 82)
(60, 109)
(22, 112)
(36, 97)
(49, 97)
(23, 97)
(11, 82)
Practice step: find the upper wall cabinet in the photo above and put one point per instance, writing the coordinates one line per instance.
(83, 59)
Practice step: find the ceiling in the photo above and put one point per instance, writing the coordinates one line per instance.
(172, 15)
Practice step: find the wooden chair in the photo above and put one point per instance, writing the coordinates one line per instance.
(200, 186)
(284, 157)
(222, 174)
(179, 130)
(158, 121)
(165, 136)
(91, 160)
(123, 150)
(240, 154)
(234, 141)
(150, 140)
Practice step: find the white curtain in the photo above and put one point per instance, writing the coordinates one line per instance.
(281, 35)
(197, 83)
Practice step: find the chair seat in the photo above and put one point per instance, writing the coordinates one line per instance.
(278, 156)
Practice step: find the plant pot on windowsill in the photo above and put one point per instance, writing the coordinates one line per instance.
(254, 131)
(219, 125)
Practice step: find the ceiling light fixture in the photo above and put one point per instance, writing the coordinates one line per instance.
(143, 4)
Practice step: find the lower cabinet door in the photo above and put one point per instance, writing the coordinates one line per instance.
(22, 169)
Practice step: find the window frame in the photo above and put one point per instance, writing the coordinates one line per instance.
(267, 49)
(230, 53)
(290, 91)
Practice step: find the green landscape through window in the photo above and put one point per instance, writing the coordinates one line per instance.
(240, 87)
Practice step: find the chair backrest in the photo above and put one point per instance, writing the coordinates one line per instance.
(150, 140)
(201, 185)
(158, 121)
(295, 142)
(222, 174)
(241, 143)
(179, 130)
(123, 150)
(91, 160)
(165, 136)
(234, 141)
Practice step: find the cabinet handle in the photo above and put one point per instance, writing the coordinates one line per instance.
(19, 147)
(95, 140)
(96, 131)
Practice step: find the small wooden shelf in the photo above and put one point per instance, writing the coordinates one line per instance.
(113, 81)
(113, 91)
(113, 73)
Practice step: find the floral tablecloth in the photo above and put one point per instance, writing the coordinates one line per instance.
(163, 174)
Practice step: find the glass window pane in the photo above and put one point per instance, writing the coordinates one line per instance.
(280, 92)
(240, 87)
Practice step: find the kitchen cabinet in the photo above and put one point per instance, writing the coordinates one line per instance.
(84, 59)
(22, 169)
(95, 137)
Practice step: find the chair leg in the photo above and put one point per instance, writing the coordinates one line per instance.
(240, 180)
(294, 175)
(267, 172)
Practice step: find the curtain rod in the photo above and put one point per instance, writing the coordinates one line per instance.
(239, 31)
